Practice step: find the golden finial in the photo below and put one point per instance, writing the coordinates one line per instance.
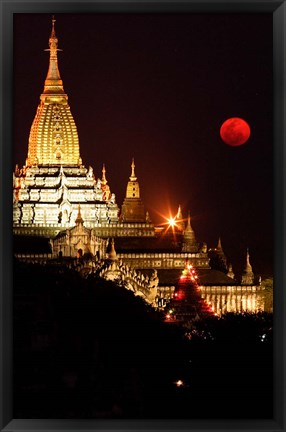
(248, 267)
(79, 219)
(247, 259)
(179, 215)
(189, 228)
(103, 180)
(112, 252)
(189, 218)
(53, 82)
(53, 41)
(53, 34)
(133, 176)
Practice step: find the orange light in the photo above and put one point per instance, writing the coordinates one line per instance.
(172, 222)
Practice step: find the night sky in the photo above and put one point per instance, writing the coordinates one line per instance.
(157, 87)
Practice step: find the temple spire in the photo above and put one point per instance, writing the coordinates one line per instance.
(189, 221)
(53, 138)
(133, 207)
(230, 272)
(248, 267)
(53, 33)
(248, 275)
(179, 213)
(79, 219)
(133, 176)
(189, 240)
(53, 82)
(112, 252)
(179, 219)
(220, 251)
(103, 179)
(189, 228)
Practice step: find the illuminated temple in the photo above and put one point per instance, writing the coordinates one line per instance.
(58, 199)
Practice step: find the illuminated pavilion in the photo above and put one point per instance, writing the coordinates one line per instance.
(56, 197)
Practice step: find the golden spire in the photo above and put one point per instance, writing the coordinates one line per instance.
(112, 252)
(79, 219)
(189, 227)
(53, 137)
(230, 272)
(132, 207)
(189, 242)
(179, 213)
(53, 82)
(220, 251)
(133, 176)
(247, 276)
(248, 267)
(179, 219)
(103, 180)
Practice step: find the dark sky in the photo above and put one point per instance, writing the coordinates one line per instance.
(157, 87)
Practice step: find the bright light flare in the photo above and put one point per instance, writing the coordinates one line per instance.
(172, 222)
(179, 383)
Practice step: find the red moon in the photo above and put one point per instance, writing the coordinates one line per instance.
(235, 131)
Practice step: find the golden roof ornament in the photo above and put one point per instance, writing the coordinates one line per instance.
(247, 276)
(79, 219)
(248, 267)
(103, 180)
(189, 227)
(112, 252)
(179, 213)
(179, 219)
(53, 82)
(219, 246)
(133, 176)
(230, 272)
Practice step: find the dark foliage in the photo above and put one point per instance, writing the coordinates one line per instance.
(88, 348)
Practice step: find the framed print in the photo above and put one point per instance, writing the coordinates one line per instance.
(143, 242)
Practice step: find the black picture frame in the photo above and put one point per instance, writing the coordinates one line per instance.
(8, 8)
